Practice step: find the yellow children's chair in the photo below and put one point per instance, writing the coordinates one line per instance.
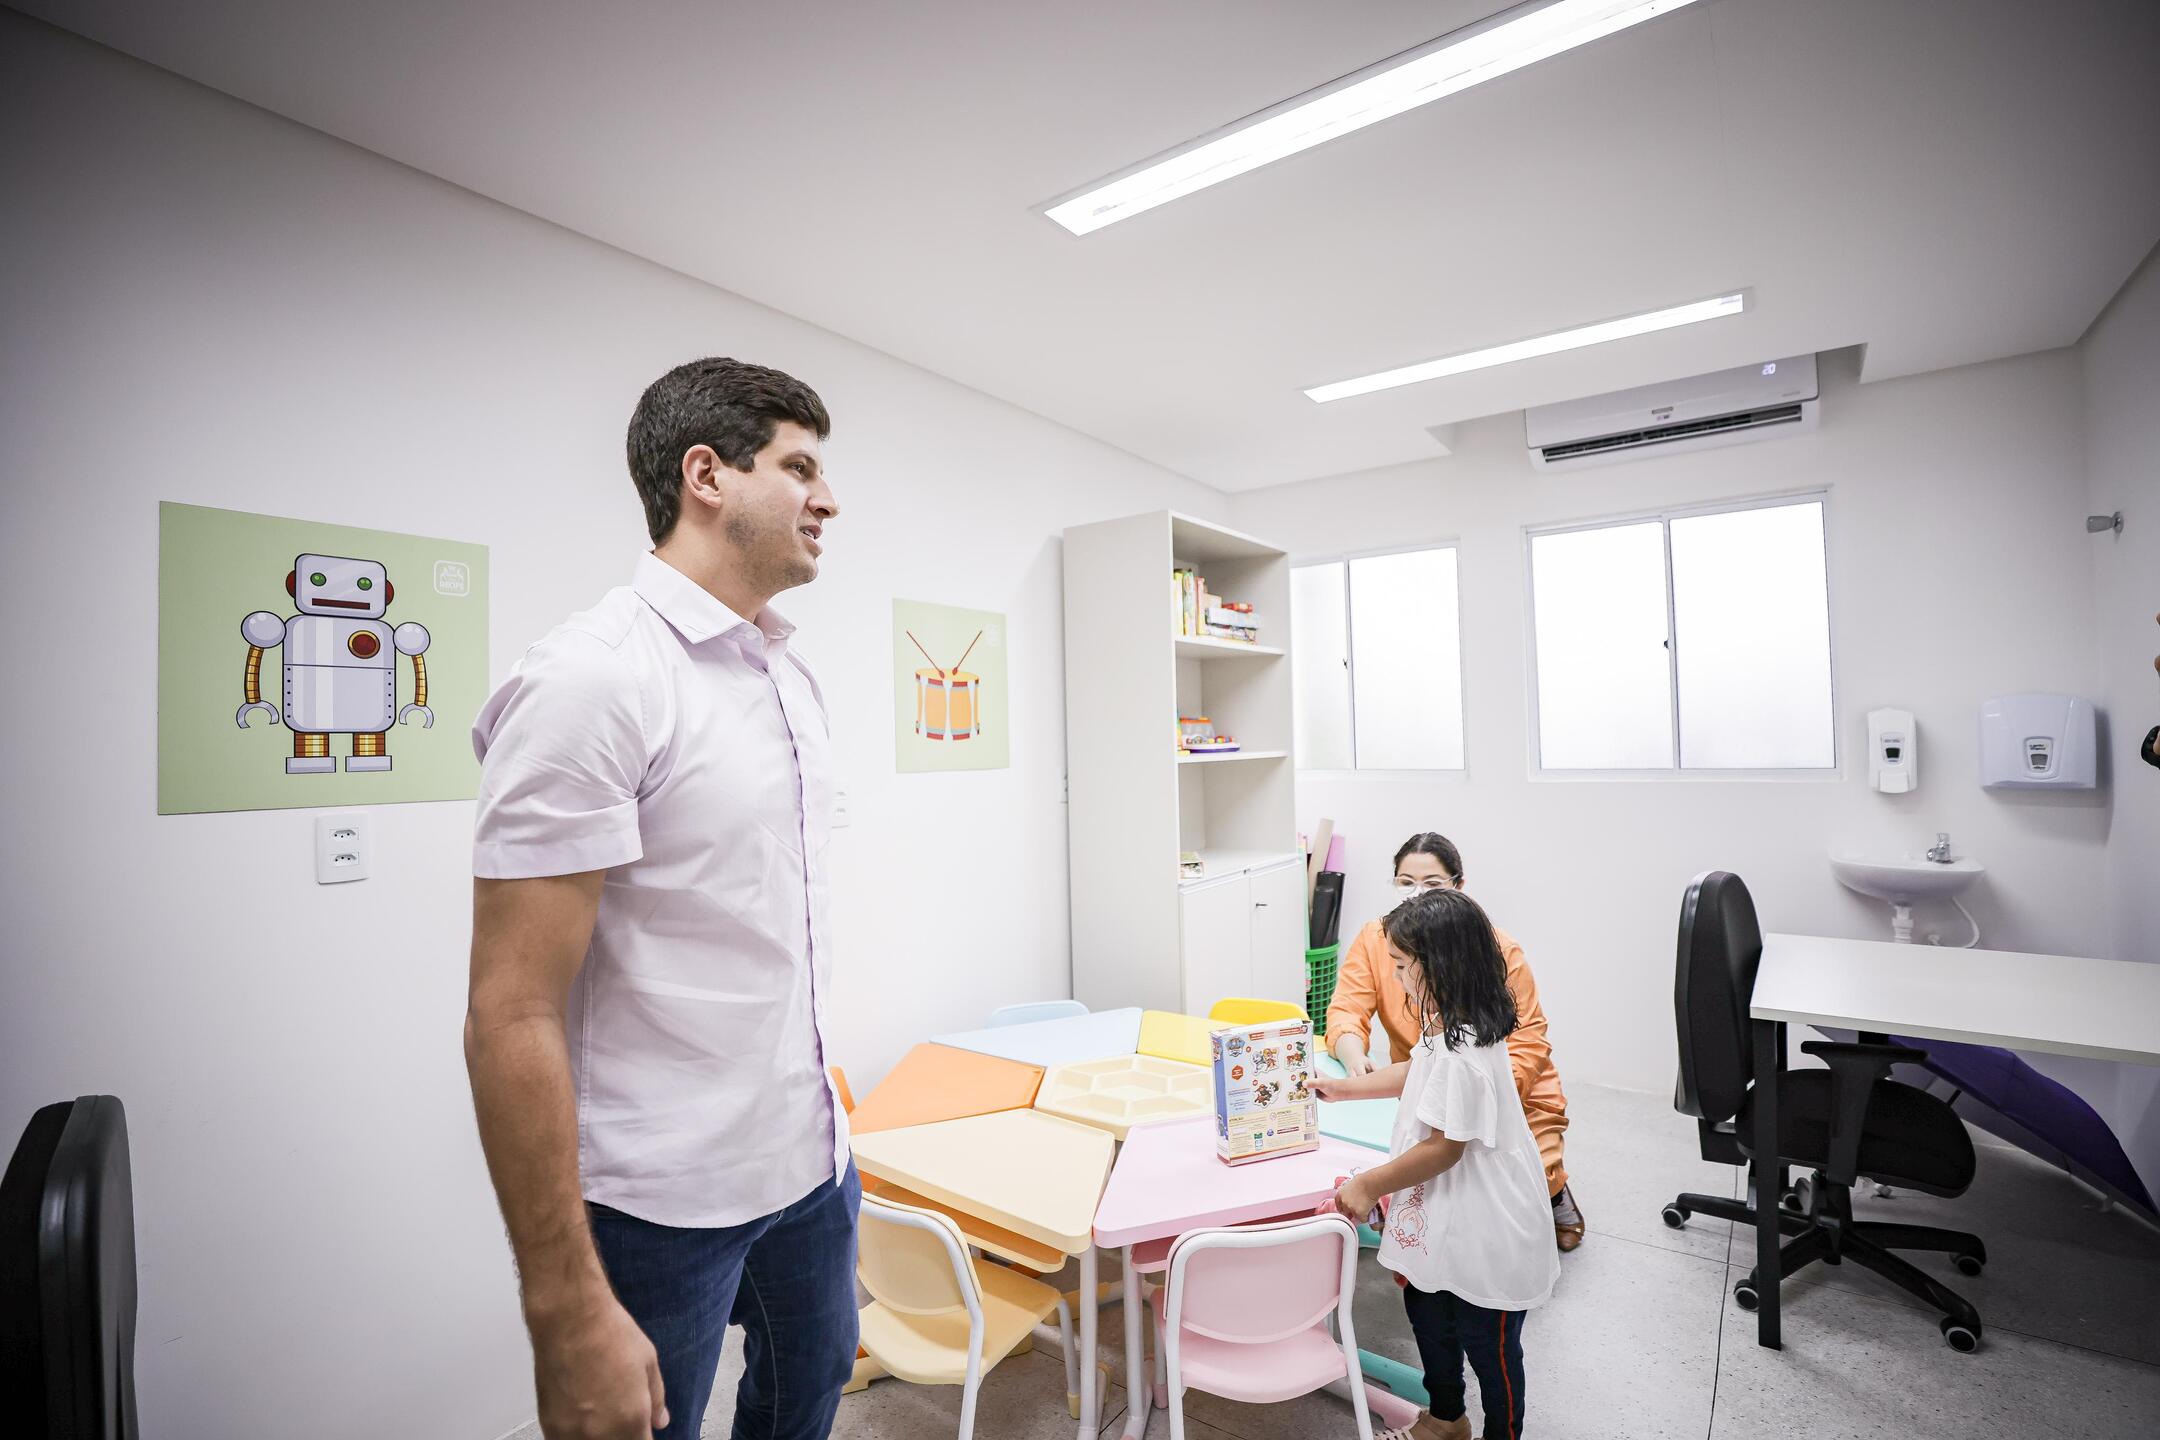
(937, 1318)
(1237, 1011)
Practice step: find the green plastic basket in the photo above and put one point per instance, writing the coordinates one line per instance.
(1320, 985)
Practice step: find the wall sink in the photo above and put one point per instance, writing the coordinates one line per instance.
(1904, 881)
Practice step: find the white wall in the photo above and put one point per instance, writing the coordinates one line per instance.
(2120, 358)
(1959, 568)
(209, 304)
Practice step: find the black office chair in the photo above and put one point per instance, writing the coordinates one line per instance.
(67, 1276)
(1841, 1123)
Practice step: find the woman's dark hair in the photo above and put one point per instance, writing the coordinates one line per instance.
(1447, 936)
(731, 405)
(1436, 845)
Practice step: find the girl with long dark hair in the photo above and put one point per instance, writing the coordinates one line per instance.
(1370, 1010)
(1465, 1221)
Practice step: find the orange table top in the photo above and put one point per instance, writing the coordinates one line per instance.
(935, 1082)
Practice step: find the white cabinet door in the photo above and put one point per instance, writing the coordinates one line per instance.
(1278, 933)
(1215, 936)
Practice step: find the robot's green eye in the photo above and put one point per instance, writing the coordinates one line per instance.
(317, 579)
(366, 584)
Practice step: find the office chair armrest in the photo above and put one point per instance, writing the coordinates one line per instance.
(1854, 1069)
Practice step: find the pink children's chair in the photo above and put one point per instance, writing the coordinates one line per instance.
(1244, 1315)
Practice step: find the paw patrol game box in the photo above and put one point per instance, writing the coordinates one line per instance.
(1264, 1104)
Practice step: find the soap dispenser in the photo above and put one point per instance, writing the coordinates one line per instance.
(1893, 766)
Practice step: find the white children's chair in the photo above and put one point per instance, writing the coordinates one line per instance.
(1032, 1011)
(935, 1317)
(1244, 1315)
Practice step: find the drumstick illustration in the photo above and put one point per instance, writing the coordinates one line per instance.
(967, 652)
(925, 653)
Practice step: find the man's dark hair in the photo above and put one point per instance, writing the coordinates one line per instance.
(731, 405)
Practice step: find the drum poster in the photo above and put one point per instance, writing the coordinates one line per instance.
(949, 693)
(302, 664)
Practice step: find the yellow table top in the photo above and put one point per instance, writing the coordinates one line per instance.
(1032, 1173)
(1126, 1090)
(1175, 1037)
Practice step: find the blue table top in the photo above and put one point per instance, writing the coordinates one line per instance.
(1063, 1041)
(1370, 1123)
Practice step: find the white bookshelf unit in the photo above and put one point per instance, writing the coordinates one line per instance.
(1142, 933)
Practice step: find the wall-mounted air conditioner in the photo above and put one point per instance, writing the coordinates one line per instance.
(1753, 402)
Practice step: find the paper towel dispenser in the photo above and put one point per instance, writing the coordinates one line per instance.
(2038, 742)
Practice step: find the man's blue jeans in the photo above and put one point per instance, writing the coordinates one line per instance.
(788, 1279)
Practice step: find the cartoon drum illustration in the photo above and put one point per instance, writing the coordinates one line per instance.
(948, 702)
(948, 705)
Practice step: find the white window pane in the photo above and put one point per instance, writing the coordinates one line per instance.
(1604, 681)
(1752, 615)
(1320, 664)
(1407, 651)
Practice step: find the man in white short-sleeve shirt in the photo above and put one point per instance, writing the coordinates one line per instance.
(650, 962)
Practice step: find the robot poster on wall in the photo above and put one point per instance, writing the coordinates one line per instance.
(948, 688)
(308, 665)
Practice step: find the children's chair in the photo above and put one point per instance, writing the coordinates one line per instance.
(934, 1317)
(1033, 1010)
(847, 1096)
(1238, 1011)
(1244, 1315)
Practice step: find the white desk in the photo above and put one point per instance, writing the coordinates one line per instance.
(2062, 1004)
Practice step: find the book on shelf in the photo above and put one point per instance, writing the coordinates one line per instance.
(1190, 865)
(1198, 611)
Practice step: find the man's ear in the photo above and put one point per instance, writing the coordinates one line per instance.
(702, 477)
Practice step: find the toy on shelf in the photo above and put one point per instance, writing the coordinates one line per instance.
(1196, 736)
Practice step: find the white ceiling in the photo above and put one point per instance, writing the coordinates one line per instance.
(1941, 181)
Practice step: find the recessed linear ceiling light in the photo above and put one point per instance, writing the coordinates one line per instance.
(1514, 350)
(1491, 48)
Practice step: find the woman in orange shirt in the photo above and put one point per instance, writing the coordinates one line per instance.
(1365, 983)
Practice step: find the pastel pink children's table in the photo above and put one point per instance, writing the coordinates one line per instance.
(1167, 1181)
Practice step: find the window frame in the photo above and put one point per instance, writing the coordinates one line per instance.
(1664, 516)
(1346, 558)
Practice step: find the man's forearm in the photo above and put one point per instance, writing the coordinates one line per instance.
(520, 1069)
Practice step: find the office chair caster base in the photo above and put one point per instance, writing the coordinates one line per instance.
(1795, 1199)
(1745, 1296)
(1969, 1264)
(1674, 1216)
(1963, 1338)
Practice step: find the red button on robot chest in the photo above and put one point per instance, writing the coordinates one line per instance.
(363, 644)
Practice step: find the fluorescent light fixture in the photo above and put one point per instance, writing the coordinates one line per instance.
(1491, 48)
(1552, 344)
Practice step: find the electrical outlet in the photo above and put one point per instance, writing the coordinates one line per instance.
(341, 848)
(840, 817)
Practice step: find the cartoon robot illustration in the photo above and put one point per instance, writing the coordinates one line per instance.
(340, 664)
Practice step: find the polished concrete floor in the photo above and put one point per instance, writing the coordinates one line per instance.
(1643, 1338)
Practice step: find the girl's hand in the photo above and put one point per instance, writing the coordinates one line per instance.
(1327, 1087)
(1355, 1200)
(1356, 1062)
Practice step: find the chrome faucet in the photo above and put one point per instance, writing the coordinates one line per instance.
(1939, 852)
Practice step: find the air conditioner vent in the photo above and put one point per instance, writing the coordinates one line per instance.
(1683, 430)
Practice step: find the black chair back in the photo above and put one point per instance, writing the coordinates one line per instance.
(1720, 948)
(67, 1274)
